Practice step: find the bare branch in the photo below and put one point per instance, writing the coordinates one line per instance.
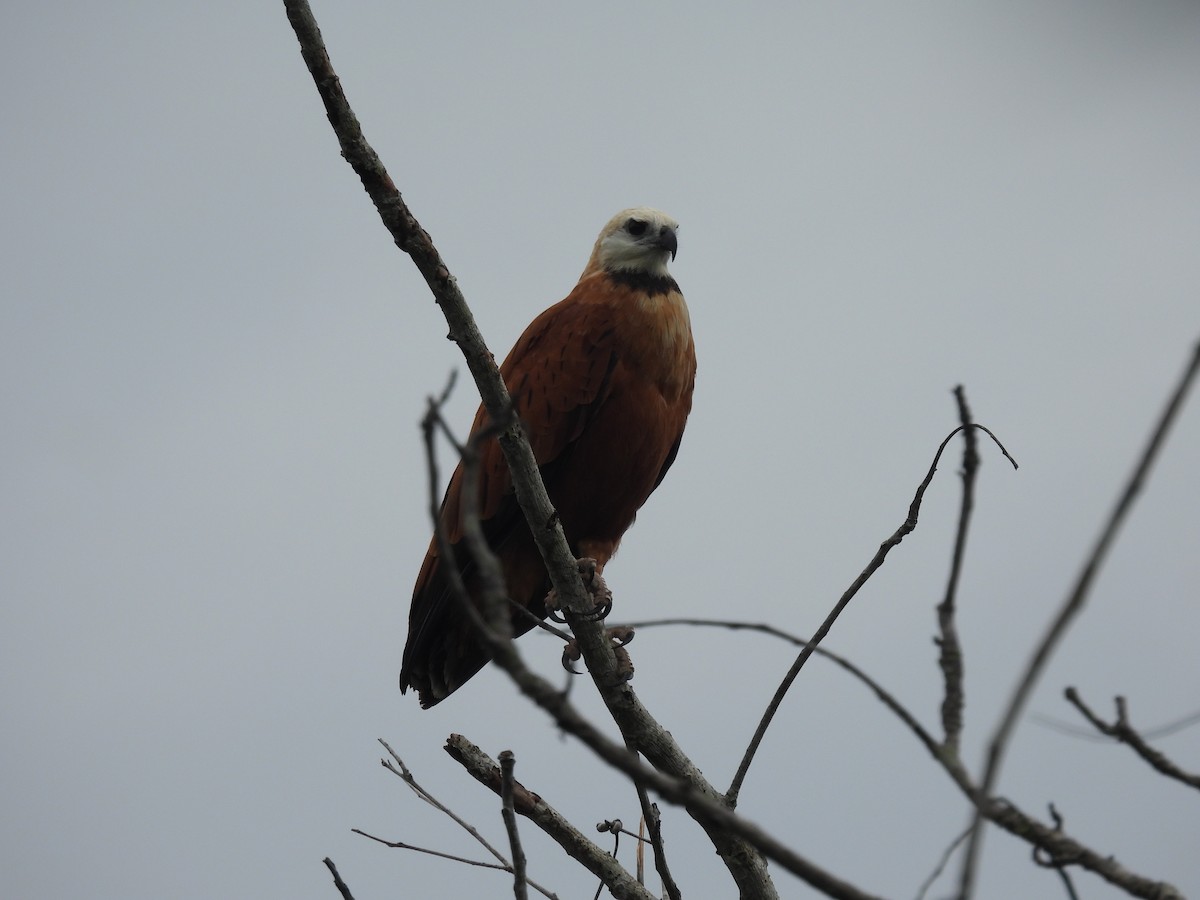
(505, 867)
(941, 866)
(507, 763)
(1070, 608)
(401, 845)
(1060, 867)
(401, 770)
(337, 879)
(905, 528)
(950, 658)
(526, 803)
(397, 767)
(1059, 849)
(1122, 731)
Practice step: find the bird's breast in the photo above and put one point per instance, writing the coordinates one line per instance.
(658, 338)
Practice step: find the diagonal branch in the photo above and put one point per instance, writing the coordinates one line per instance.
(1070, 608)
(337, 880)
(593, 857)
(397, 767)
(410, 237)
(905, 529)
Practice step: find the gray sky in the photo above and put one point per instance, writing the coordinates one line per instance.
(213, 360)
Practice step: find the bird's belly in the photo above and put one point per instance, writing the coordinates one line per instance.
(610, 471)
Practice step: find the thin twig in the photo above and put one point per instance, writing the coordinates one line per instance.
(400, 845)
(906, 528)
(941, 866)
(507, 763)
(616, 826)
(407, 777)
(337, 880)
(950, 658)
(641, 851)
(590, 855)
(1122, 731)
(397, 767)
(1070, 608)
(653, 823)
(881, 693)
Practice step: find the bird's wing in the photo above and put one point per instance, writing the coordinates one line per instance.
(558, 374)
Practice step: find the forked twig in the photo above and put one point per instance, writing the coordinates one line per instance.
(1122, 731)
(397, 767)
(526, 803)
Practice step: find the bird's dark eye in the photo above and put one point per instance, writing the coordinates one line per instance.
(636, 227)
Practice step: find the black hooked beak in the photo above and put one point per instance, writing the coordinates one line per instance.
(668, 240)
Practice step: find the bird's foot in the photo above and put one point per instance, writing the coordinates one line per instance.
(596, 587)
(620, 636)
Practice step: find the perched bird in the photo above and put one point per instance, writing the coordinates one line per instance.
(602, 382)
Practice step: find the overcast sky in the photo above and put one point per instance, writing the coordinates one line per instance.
(213, 361)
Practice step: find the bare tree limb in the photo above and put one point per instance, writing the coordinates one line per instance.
(1122, 731)
(440, 854)
(905, 529)
(1070, 608)
(397, 767)
(337, 880)
(526, 803)
(500, 867)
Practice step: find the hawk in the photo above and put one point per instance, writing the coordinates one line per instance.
(602, 383)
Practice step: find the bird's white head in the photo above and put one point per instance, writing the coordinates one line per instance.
(636, 240)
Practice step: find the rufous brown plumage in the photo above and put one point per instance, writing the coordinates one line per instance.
(602, 382)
